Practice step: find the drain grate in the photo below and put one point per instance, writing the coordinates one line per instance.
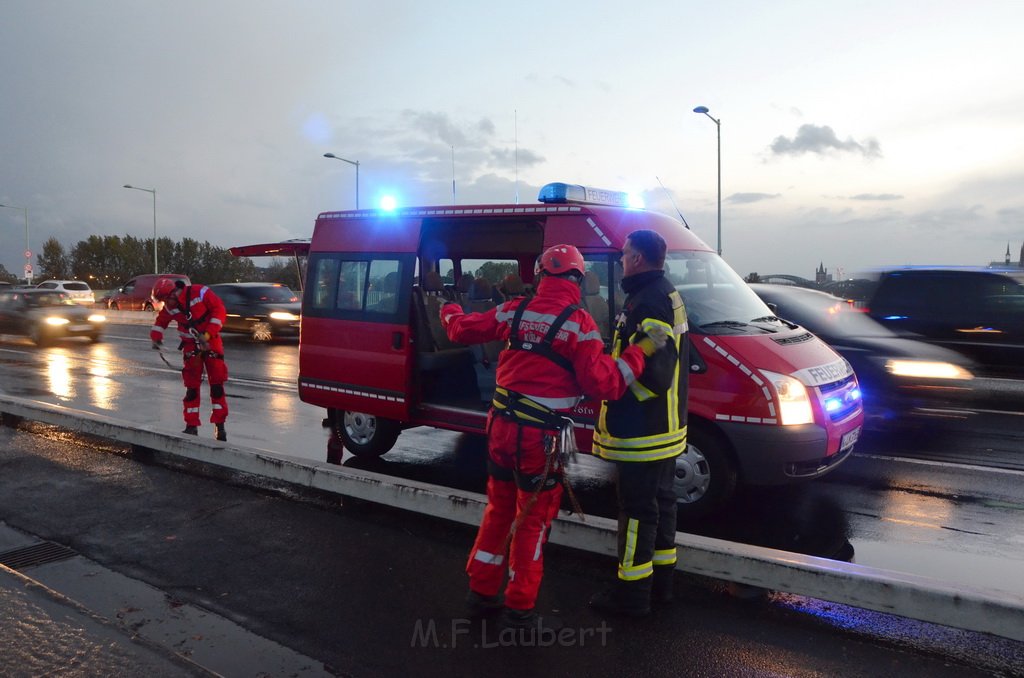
(37, 554)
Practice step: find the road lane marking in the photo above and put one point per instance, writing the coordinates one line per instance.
(941, 464)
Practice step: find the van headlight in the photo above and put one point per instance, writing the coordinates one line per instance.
(794, 402)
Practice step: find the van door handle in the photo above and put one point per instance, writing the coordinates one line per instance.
(396, 340)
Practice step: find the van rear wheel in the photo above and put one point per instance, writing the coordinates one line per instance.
(365, 435)
(705, 474)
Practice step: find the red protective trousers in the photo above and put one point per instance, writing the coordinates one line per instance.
(505, 500)
(192, 377)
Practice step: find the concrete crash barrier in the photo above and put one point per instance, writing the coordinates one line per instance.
(905, 595)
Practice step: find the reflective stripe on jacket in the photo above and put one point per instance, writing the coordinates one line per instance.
(649, 422)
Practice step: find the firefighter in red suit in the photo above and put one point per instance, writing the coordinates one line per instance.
(200, 315)
(555, 355)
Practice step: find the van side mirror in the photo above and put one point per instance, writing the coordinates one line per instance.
(773, 308)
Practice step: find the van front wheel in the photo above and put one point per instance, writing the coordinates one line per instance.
(705, 474)
(365, 435)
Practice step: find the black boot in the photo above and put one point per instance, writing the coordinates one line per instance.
(662, 584)
(479, 605)
(527, 623)
(221, 433)
(191, 430)
(625, 598)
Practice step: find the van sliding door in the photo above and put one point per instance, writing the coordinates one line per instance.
(355, 332)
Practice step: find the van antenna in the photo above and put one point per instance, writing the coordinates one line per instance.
(453, 176)
(515, 113)
(681, 217)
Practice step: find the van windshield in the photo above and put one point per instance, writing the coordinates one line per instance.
(717, 300)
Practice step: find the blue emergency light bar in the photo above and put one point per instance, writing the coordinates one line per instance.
(574, 193)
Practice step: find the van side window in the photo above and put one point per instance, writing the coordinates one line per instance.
(359, 286)
(351, 282)
(322, 292)
(382, 295)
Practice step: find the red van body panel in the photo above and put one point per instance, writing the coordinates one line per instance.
(363, 368)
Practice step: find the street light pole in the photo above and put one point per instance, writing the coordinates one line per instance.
(28, 261)
(718, 124)
(156, 269)
(351, 162)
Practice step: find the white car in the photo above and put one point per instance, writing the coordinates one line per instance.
(79, 291)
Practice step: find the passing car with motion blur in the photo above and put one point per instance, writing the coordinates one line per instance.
(47, 315)
(262, 310)
(973, 310)
(79, 291)
(902, 380)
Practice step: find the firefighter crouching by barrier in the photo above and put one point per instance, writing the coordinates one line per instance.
(200, 316)
(554, 357)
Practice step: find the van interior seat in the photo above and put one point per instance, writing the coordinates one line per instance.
(512, 286)
(462, 288)
(443, 365)
(485, 356)
(432, 288)
(595, 304)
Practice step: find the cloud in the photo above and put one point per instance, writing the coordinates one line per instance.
(744, 198)
(439, 126)
(876, 196)
(821, 140)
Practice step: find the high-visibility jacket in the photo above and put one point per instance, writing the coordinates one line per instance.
(594, 373)
(206, 314)
(649, 422)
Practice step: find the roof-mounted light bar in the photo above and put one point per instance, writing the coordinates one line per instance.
(574, 193)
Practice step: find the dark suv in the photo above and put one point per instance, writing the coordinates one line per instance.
(976, 311)
(262, 310)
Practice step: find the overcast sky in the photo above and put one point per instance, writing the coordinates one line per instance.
(853, 134)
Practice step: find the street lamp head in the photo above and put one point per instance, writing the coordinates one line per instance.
(128, 186)
(701, 109)
(330, 155)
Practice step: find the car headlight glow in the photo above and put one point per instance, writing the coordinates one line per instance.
(927, 369)
(56, 320)
(97, 318)
(283, 315)
(794, 402)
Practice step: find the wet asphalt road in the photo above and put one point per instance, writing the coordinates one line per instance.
(903, 502)
(926, 517)
(367, 591)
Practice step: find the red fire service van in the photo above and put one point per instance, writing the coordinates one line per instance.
(769, 402)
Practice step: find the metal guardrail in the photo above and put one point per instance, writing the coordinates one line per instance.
(906, 595)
